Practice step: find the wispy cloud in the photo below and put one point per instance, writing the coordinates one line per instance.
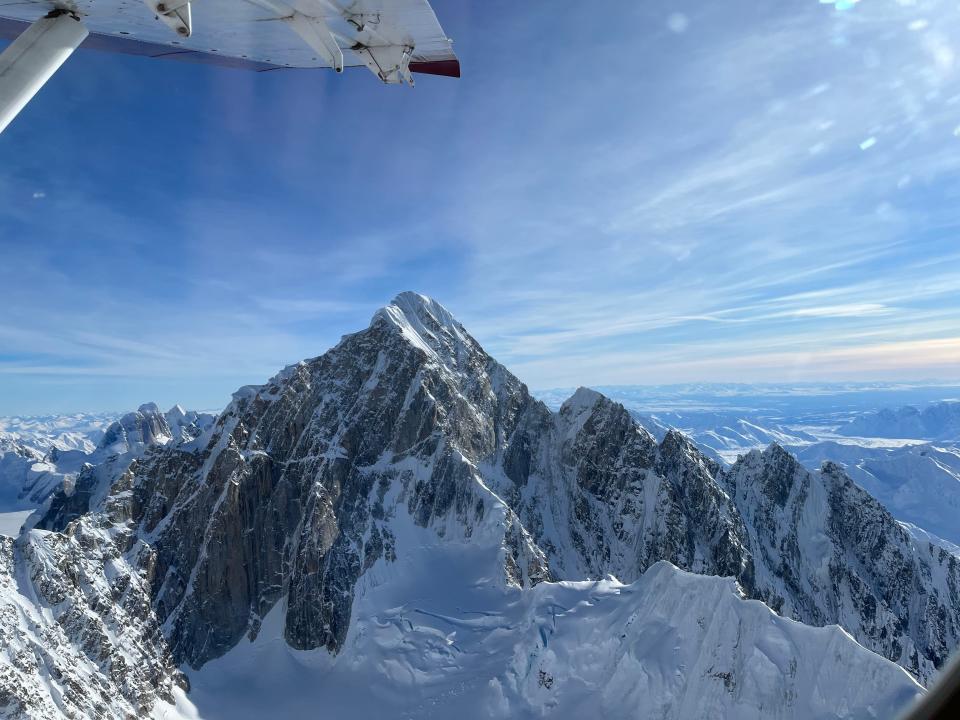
(687, 205)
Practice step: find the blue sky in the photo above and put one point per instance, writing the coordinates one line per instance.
(612, 194)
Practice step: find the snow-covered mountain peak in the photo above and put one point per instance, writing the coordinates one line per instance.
(143, 427)
(772, 455)
(773, 471)
(775, 455)
(338, 504)
(829, 467)
(919, 484)
(593, 412)
(427, 325)
(420, 307)
(583, 399)
(675, 441)
(148, 426)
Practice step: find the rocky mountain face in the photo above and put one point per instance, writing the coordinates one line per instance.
(78, 636)
(919, 484)
(828, 552)
(307, 487)
(603, 497)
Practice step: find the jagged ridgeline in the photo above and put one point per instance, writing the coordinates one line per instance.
(307, 483)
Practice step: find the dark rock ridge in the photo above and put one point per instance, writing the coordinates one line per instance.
(300, 486)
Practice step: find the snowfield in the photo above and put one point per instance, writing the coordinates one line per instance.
(11, 522)
(437, 636)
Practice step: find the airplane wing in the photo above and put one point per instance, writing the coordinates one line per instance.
(392, 38)
(254, 34)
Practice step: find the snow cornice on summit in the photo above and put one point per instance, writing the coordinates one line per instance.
(425, 324)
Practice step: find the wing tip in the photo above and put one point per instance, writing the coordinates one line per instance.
(449, 67)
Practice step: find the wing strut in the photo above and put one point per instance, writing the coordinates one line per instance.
(31, 59)
(315, 33)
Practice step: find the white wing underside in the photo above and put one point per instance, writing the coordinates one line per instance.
(273, 33)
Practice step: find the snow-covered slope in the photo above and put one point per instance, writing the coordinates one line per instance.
(432, 639)
(314, 493)
(919, 484)
(76, 637)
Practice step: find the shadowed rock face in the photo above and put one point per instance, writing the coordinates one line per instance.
(299, 487)
(602, 497)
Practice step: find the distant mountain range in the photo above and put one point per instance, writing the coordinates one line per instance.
(724, 436)
(77, 431)
(40, 455)
(940, 421)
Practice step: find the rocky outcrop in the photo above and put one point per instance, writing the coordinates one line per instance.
(78, 635)
(827, 552)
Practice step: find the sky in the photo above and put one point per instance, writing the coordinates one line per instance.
(613, 193)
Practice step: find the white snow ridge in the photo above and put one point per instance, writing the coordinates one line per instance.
(397, 529)
(437, 641)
